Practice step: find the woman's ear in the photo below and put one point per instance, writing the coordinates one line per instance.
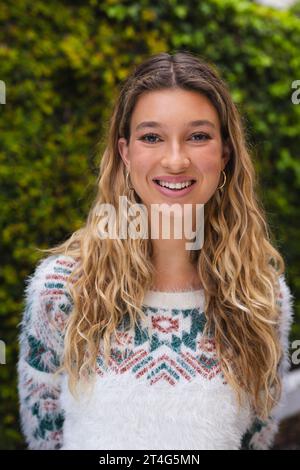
(226, 153)
(123, 150)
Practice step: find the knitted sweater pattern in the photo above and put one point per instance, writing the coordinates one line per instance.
(163, 387)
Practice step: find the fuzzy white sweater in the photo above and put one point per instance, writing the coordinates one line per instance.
(163, 387)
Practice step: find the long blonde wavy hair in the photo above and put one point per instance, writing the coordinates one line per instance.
(238, 264)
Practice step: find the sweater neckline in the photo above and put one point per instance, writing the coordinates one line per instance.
(175, 299)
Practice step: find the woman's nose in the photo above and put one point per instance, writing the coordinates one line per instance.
(175, 159)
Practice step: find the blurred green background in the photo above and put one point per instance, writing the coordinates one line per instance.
(62, 63)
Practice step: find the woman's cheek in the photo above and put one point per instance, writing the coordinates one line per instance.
(208, 164)
(141, 165)
(209, 175)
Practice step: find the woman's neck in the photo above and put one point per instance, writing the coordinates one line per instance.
(173, 267)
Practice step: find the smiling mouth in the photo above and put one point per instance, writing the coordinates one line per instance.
(175, 186)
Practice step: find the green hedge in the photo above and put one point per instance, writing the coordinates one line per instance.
(62, 63)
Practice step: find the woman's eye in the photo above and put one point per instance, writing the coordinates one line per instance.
(148, 135)
(201, 135)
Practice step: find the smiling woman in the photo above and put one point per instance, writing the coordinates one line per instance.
(186, 150)
(131, 343)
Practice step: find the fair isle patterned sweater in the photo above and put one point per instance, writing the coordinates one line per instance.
(163, 387)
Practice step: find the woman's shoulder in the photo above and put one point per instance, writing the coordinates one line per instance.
(285, 297)
(285, 301)
(64, 263)
(50, 275)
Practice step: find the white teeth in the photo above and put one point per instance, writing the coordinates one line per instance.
(175, 185)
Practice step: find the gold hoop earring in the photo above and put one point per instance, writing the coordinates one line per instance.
(127, 183)
(224, 175)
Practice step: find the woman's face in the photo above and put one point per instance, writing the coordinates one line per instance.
(171, 149)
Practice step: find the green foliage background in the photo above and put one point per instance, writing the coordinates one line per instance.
(62, 63)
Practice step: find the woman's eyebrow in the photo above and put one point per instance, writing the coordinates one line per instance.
(154, 124)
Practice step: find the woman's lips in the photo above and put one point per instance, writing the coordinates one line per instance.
(174, 193)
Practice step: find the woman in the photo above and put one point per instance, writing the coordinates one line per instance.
(138, 342)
